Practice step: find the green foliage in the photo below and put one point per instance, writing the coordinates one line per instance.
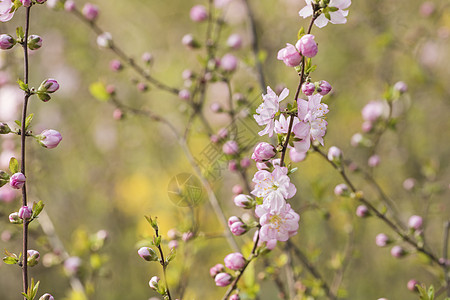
(32, 290)
(424, 293)
(10, 258)
(98, 91)
(13, 165)
(37, 208)
(4, 178)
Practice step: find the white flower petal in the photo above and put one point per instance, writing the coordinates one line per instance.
(321, 21)
(306, 12)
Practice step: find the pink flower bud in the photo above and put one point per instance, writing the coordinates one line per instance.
(237, 227)
(148, 254)
(308, 88)
(307, 46)
(243, 201)
(198, 13)
(381, 240)
(290, 56)
(117, 114)
(356, 139)
(263, 152)
(262, 165)
(154, 283)
(110, 89)
(415, 222)
(15, 219)
(115, 65)
(188, 41)
(230, 147)
(104, 40)
(72, 264)
(69, 5)
(223, 133)
(49, 86)
(401, 86)
(229, 62)
(32, 257)
(232, 165)
(366, 126)
(234, 261)
(184, 94)
(372, 111)
(147, 57)
(427, 9)
(362, 211)
(90, 11)
(324, 88)
(34, 42)
(49, 138)
(142, 87)
(334, 153)
(341, 190)
(7, 41)
(397, 252)
(235, 297)
(409, 184)
(17, 180)
(172, 234)
(187, 236)
(173, 244)
(411, 285)
(25, 213)
(223, 279)
(215, 107)
(237, 189)
(216, 270)
(234, 41)
(245, 162)
(26, 3)
(373, 161)
(214, 138)
(46, 296)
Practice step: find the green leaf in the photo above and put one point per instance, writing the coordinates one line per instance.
(19, 32)
(157, 241)
(44, 97)
(262, 56)
(18, 123)
(98, 91)
(311, 69)
(301, 32)
(23, 86)
(28, 121)
(9, 260)
(171, 256)
(37, 208)
(4, 178)
(13, 165)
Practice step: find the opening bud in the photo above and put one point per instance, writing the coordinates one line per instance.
(148, 254)
(4, 128)
(7, 41)
(34, 42)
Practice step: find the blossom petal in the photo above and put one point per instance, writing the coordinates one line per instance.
(306, 11)
(321, 21)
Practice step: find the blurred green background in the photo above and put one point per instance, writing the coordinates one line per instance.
(107, 174)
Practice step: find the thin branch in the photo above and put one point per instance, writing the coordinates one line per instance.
(445, 256)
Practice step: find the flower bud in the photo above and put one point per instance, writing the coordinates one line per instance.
(362, 211)
(215, 107)
(229, 62)
(334, 154)
(244, 201)
(34, 42)
(401, 87)
(234, 41)
(366, 126)
(372, 111)
(147, 57)
(245, 162)
(4, 128)
(154, 283)
(173, 244)
(409, 184)
(341, 190)
(49, 138)
(234, 261)
(115, 65)
(198, 13)
(17, 180)
(46, 296)
(324, 88)
(25, 212)
(72, 265)
(237, 227)
(308, 88)
(118, 114)
(397, 252)
(104, 40)
(26, 3)
(69, 5)
(148, 254)
(223, 279)
(232, 165)
(235, 297)
(189, 41)
(187, 236)
(411, 285)
(184, 94)
(415, 222)
(237, 189)
(7, 41)
(230, 147)
(216, 270)
(373, 161)
(32, 257)
(90, 11)
(15, 219)
(290, 56)
(382, 240)
(49, 86)
(307, 46)
(263, 152)
(356, 139)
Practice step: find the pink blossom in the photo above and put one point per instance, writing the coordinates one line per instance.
(243, 201)
(409, 184)
(5, 10)
(229, 62)
(334, 153)
(25, 212)
(232, 165)
(216, 270)
(397, 251)
(341, 189)
(234, 41)
(324, 87)
(307, 46)
(335, 17)
(230, 147)
(7, 195)
(235, 297)
(263, 152)
(373, 161)
(411, 285)
(154, 283)
(296, 156)
(245, 162)
(72, 264)
(147, 57)
(104, 40)
(223, 279)
(415, 222)
(401, 86)
(115, 65)
(237, 227)
(69, 5)
(26, 3)
(184, 94)
(381, 240)
(237, 189)
(90, 11)
(362, 211)
(290, 56)
(234, 261)
(173, 244)
(198, 13)
(273, 187)
(268, 109)
(17, 180)
(7, 41)
(279, 225)
(372, 111)
(49, 138)
(282, 124)
(308, 88)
